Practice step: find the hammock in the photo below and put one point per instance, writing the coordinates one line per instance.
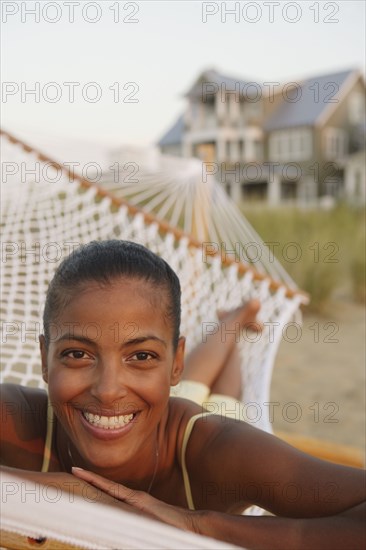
(97, 527)
(45, 216)
(171, 209)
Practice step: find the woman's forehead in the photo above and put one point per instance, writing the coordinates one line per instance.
(121, 284)
(121, 300)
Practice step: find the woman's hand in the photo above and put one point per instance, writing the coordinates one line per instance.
(139, 500)
(64, 482)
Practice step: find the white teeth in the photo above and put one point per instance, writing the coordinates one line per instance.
(108, 422)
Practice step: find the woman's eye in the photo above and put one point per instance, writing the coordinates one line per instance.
(142, 356)
(75, 354)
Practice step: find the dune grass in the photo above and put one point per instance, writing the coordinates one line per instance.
(323, 250)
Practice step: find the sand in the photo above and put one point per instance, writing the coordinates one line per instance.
(319, 380)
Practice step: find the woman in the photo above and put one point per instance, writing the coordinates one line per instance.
(111, 351)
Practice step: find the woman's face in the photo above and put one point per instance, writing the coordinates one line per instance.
(109, 367)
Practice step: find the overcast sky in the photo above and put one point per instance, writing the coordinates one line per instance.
(143, 56)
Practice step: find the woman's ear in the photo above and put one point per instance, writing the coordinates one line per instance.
(178, 364)
(43, 349)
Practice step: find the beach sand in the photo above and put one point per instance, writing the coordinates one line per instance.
(319, 380)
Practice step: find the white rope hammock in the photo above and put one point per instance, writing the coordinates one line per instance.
(51, 514)
(44, 221)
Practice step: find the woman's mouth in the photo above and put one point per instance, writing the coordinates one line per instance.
(108, 422)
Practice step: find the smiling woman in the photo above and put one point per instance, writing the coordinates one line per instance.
(111, 352)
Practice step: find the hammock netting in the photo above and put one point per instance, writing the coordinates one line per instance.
(45, 217)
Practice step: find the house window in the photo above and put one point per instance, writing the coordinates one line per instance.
(335, 143)
(253, 109)
(356, 108)
(290, 145)
(288, 190)
(241, 150)
(358, 185)
(277, 146)
(209, 115)
(258, 150)
(195, 114)
(228, 109)
(332, 187)
(227, 150)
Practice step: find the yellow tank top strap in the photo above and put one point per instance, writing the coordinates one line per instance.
(48, 443)
(187, 486)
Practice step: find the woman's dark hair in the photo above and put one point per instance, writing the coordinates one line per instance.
(104, 261)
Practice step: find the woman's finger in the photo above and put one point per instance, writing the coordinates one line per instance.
(138, 499)
(116, 490)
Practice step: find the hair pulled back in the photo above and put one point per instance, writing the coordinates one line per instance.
(103, 262)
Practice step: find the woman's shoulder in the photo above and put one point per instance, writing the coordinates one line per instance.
(19, 400)
(23, 424)
(203, 441)
(194, 428)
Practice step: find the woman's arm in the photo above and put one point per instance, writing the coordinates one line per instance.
(345, 530)
(238, 465)
(319, 503)
(36, 482)
(23, 413)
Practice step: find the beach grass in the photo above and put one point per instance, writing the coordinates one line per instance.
(322, 250)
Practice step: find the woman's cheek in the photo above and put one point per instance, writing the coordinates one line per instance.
(64, 384)
(158, 390)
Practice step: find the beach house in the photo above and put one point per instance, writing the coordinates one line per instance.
(299, 141)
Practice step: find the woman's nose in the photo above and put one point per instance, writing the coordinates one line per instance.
(109, 382)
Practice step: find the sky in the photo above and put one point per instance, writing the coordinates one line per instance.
(130, 63)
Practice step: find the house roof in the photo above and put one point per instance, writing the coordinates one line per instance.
(315, 95)
(174, 135)
(213, 76)
(304, 112)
